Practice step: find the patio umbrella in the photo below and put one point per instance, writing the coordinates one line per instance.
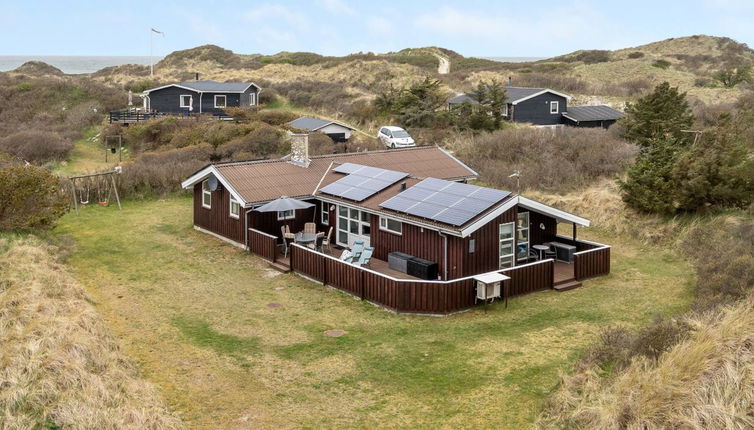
(282, 204)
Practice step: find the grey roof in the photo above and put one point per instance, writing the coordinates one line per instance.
(513, 94)
(592, 113)
(462, 98)
(216, 87)
(313, 124)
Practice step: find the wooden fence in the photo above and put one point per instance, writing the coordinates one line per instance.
(408, 295)
(263, 244)
(592, 262)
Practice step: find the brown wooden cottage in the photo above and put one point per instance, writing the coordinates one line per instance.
(415, 201)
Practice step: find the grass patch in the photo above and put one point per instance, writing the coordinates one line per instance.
(182, 302)
(88, 155)
(201, 334)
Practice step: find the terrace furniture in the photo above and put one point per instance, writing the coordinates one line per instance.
(365, 257)
(318, 239)
(541, 250)
(310, 227)
(287, 237)
(398, 261)
(327, 242)
(421, 268)
(305, 238)
(346, 256)
(563, 251)
(357, 248)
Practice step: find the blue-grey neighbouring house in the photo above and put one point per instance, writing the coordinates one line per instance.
(336, 131)
(538, 106)
(592, 116)
(210, 97)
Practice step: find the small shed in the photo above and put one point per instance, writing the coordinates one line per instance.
(592, 116)
(337, 131)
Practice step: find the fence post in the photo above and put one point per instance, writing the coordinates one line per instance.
(290, 261)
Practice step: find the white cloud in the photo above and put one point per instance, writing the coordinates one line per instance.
(276, 13)
(338, 6)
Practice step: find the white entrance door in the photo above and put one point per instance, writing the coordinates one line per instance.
(353, 225)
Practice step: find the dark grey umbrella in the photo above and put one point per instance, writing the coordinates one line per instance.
(283, 204)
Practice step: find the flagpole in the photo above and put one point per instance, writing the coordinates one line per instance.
(151, 59)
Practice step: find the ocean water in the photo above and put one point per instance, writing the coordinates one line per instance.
(73, 64)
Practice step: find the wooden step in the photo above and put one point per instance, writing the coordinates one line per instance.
(567, 285)
(279, 267)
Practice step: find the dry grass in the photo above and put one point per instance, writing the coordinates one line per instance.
(704, 382)
(602, 204)
(59, 367)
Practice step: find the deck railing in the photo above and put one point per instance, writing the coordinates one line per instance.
(591, 263)
(131, 116)
(413, 295)
(263, 244)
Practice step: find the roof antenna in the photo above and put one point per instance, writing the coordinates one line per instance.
(517, 174)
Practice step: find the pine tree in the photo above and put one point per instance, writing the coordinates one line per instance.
(658, 116)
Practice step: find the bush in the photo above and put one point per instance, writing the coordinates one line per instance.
(589, 57)
(30, 198)
(263, 141)
(559, 161)
(636, 54)
(661, 64)
(36, 146)
(161, 172)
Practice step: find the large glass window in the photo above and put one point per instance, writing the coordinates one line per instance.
(185, 101)
(325, 213)
(506, 236)
(220, 101)
(522, 225)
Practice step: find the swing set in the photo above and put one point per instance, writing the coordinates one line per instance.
(100, 186)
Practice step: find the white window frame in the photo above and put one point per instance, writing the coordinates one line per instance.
(505, 109)
(190, 100)
(252, 99)
(284, 215)
(237, 204)
(523, 228)
(225, 103)
(206, 195)
(510, 258)
(557, 107)
(325, 216)
(385, 226)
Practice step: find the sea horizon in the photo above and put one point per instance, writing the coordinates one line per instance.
(75, 64)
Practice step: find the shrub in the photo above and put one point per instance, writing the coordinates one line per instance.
(161, 172)
(589, 57)
(560, 161)
(276, 117)
(321, 144)
(661, 64)
(30, 198)
(263, 141)
(36, 146)
(636, 54)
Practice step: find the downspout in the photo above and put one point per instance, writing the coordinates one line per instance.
(445, 254)
(200, 102)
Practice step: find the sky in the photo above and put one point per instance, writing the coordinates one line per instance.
(338, 27)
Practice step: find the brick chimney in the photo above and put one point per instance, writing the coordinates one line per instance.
(300, 149)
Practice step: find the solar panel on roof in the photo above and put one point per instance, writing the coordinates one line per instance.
(361, 181)
(445, 201)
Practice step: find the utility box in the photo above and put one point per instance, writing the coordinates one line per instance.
(489, 285)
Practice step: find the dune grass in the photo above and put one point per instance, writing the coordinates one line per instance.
(59, 366)
(195, 315)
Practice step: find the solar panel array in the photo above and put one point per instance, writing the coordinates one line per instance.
(445, 201)
(361, 181)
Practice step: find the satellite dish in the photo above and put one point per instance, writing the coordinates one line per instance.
(213, 183)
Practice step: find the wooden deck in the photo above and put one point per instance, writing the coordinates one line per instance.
(375, 264)
(564, 277)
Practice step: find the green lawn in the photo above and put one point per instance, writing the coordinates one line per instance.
(193, 312)
(88, 156)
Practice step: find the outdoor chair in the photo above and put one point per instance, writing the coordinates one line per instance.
(317, 244)
(346, 256)
(357, 248)
(326, 242)
(310, 227)
(365, 257)
(287, 236)
(551, 252)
